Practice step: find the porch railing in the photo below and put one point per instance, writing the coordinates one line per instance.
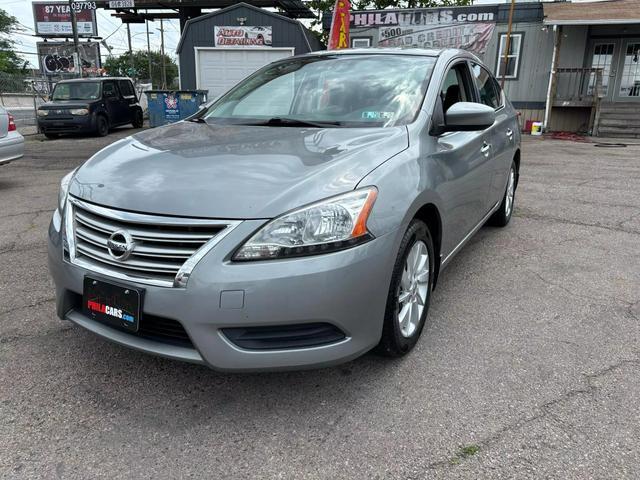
(578, 86)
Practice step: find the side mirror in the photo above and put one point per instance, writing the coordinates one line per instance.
(468, 117)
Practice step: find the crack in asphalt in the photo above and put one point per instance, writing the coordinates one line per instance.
(544, 411)
(5, 340)
(547, 218)
(578, 295)
(22, 307)
(37, 212)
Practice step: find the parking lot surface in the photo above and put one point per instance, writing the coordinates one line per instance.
(528, 367)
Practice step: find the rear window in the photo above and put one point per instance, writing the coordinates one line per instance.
(487, 86)
(126, 88)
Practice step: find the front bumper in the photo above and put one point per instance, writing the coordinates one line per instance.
(346, 289)
(67, 124)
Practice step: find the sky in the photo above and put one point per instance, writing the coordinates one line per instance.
(108, 26)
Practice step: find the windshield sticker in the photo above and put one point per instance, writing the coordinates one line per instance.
(377, 115)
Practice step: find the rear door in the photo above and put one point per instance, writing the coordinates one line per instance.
(113, 102)
(129, 98)
(465, 158)
(503, 134)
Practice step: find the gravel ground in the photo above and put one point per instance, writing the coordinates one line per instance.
(528, 367)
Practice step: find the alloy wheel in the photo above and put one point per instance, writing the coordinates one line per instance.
(414, 289)
(508, 205)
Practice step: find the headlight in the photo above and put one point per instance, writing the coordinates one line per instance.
(326, 226)
(79, 111)
(64, 189)
(43, 113)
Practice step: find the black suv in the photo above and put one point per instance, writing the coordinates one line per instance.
(90, 105)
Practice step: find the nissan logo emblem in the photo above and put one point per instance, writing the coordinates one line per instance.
(120, 245)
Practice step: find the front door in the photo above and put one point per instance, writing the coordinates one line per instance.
(627, 88)
(465, 159)
(603, 54)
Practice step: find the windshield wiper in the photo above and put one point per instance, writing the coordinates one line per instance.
(293, 122)
(196, 120)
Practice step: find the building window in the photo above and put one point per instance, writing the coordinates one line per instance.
(361, 42)
(513, 58)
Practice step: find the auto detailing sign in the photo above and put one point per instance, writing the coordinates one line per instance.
(242, 36)
(53, 19)
(469, 28)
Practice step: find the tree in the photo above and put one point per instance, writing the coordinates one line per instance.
(121, 65)
(10, 62)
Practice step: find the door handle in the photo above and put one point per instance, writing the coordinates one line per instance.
(510, 133)
(485, 149)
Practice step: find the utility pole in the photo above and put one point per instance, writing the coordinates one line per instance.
(130, 51)
(164, 65)
(74, 27)
(146, 22)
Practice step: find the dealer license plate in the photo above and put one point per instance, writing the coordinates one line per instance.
(111, 304)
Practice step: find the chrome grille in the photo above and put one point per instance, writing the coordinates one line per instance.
(165, 249)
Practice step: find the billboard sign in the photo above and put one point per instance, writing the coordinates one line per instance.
(424, 16)
(473, 37)
(53, 19)
(58, 58)
(468, 28)
(242, 36)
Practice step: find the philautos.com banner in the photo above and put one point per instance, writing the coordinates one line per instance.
(469, 28)
(473, 37)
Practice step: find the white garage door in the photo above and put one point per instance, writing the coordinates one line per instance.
(219, 69)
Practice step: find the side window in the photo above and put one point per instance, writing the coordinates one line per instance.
(455, 87)
(487, 87)
(126, 88)
(109, 90)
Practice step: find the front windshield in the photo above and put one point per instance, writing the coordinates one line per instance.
(76, 91)
(343, 90)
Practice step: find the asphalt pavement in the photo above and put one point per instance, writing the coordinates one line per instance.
(528, 367)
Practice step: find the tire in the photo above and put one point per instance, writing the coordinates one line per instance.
(51, 136)
(502, 216)
(102, 126)
(138, 120)
(398, 338)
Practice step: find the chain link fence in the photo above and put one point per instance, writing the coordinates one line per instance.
(21, 95)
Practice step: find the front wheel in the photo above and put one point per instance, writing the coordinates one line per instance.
(409, 292)
(502, 216)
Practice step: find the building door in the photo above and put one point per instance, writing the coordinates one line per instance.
(627, 87)
(603, 56)
(218, 69)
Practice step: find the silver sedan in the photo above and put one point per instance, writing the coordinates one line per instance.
(299, 221)
(11, 142)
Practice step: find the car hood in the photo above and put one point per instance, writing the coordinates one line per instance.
(236, 172)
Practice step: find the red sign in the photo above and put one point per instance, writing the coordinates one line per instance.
(339, 36)
(53, 19)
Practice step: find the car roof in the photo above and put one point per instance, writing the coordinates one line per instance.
(428, 52)
(92, 79)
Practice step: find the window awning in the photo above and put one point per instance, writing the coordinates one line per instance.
(610, 12)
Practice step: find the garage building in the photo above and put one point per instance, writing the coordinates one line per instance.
(221, 48)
